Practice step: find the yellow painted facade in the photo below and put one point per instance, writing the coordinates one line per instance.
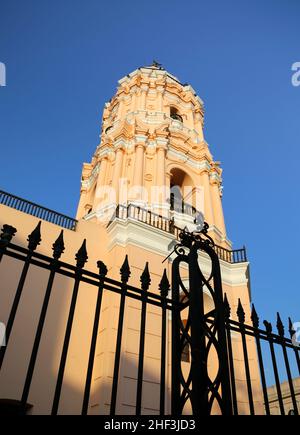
(151, 145)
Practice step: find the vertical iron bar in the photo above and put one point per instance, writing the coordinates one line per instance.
(117, 354)
(15, 305)
(231, 367)
(65, 348)
(247, 371)
(81, 259)
(37, 340)
(280, 329)
(199, 375)
(145, 282)
(289, 375)
(221, 332)
(241, 317)
(277, 381)
(141, 357)
(176, 363)
(34, 240)
(87, 389)
(230, 354)
(164, 287)
(163, 360)
(262, 372)
(125, 274)
(275, 370)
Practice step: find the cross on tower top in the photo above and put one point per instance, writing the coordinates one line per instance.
(156, 64)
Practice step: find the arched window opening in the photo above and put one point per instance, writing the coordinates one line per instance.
(181, 186)
(175, 115)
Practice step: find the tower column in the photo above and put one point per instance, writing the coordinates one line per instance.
(218, 209)
(160, 176)
(208, 210)
(117, 171)
(160, 100)
(133, 102)
(160, 199)
(138, 171)
(100, 182)
(143, 98)
(82, 203)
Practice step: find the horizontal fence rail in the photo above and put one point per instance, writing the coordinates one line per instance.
(163, 223)
(36, 210)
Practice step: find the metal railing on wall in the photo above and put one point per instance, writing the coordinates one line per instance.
(36, 210)
(122, 212)
(148, 217)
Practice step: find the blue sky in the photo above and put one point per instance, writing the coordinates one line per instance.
(64, 58)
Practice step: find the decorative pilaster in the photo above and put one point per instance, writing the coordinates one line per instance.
(138, 172)
(217, 206)
(160, 99)
(143, 98)
(117, 171)
(208, 209)
(100, 182)
(161, 178)
(82, 202)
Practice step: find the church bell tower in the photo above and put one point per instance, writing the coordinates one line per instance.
(153, 154)
(151, 175)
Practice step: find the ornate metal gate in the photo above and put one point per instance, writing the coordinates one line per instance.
(199, 330)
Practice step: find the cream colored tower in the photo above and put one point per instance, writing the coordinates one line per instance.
(152, 166)
(152, 140)
(153, 155)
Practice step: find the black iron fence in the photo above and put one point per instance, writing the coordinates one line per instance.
(207, 337)
(36, 210)
(78, 274)
(277, 346)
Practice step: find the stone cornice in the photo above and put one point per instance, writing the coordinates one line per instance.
(135, 233)
(184, 157)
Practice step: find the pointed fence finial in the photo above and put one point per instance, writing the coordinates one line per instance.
(81, 256)
(58, 246)
(34, 239)
(102, 269)
(7, 233)
(291, 328)
(280, 326)
(125, 271)
(227, 308)
(254, 317)
(240, 312)
(145, 278)
(268, 326)
(164, 285)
